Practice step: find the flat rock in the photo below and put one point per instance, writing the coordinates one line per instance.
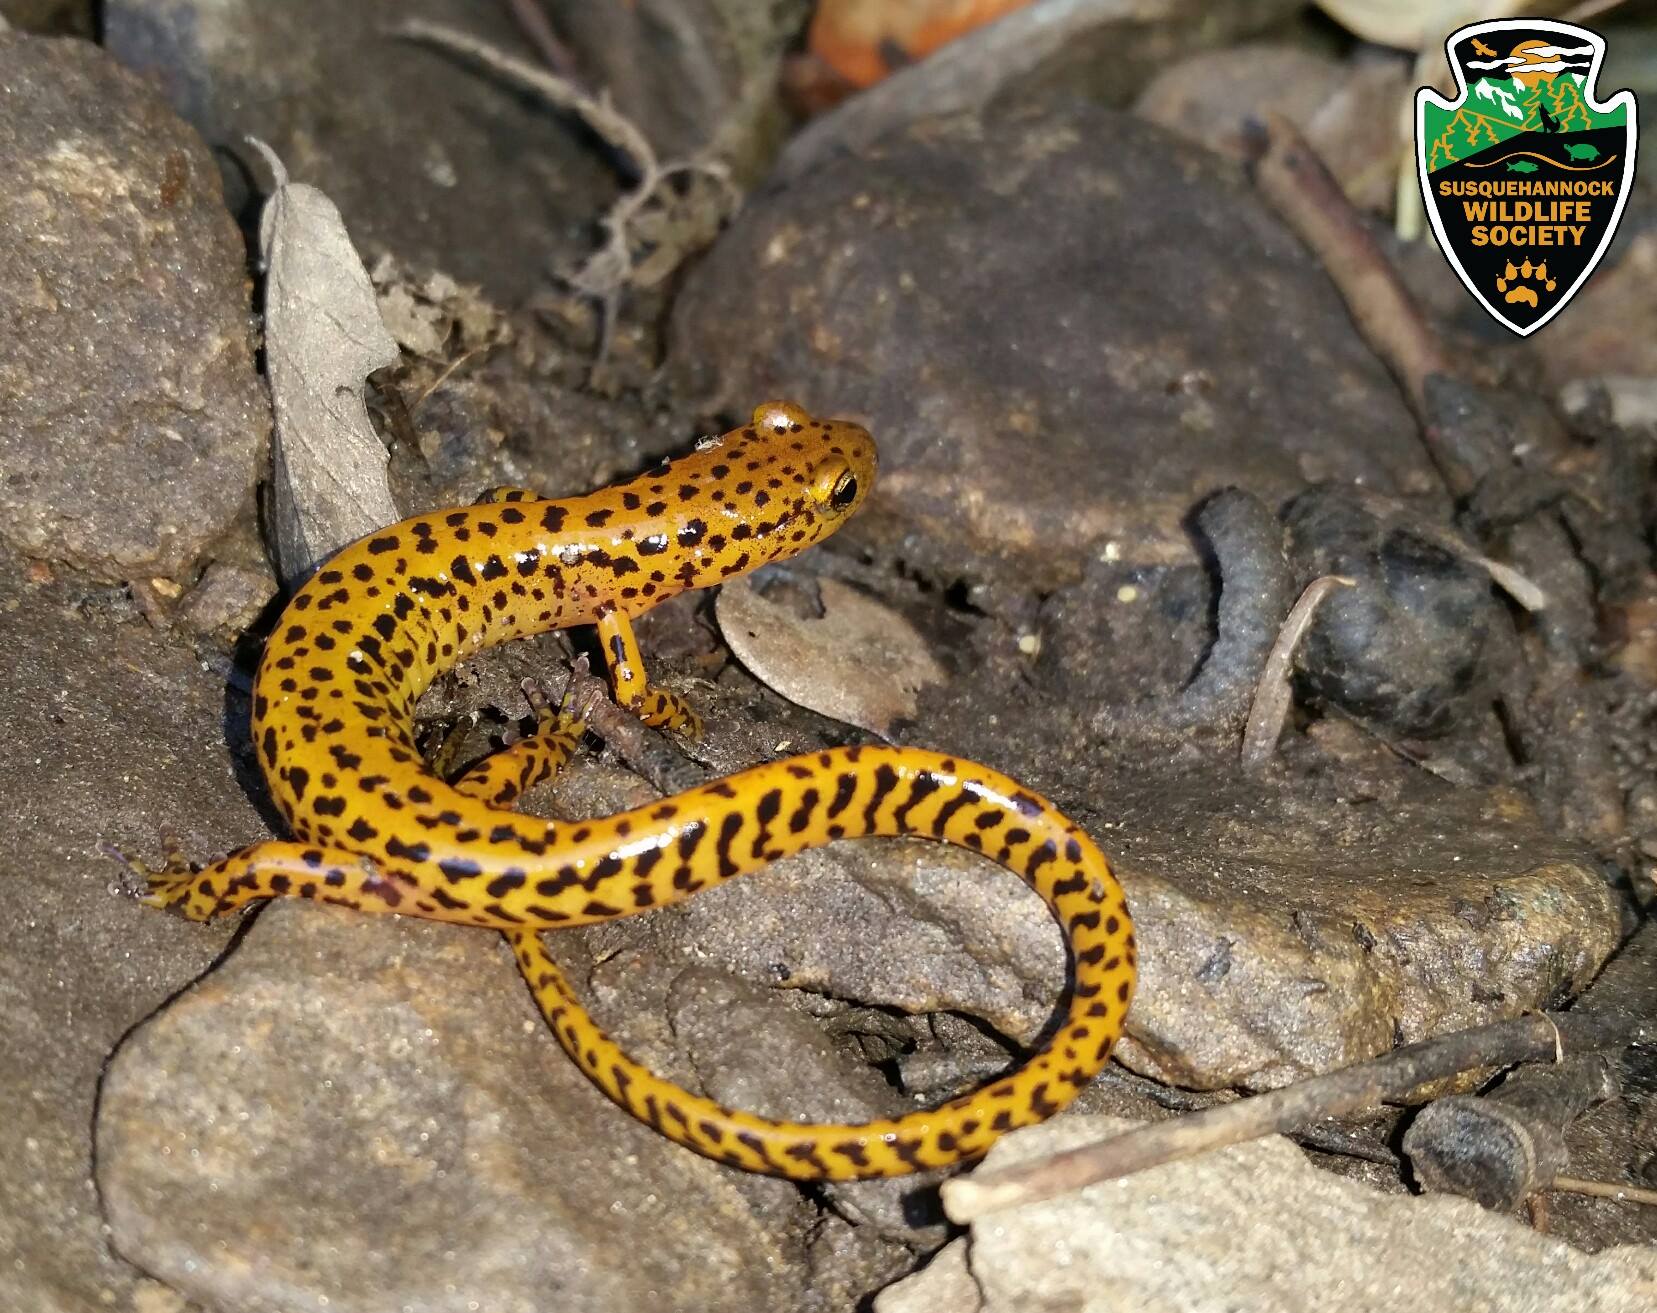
(1258, 1227)
(1054, 274)
(1281, 935)
(131, 418)
(390, 1086)
(491, 184)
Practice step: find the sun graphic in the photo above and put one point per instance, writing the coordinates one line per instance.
(1526, 74)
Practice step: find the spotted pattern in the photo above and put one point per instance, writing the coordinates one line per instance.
(375, 830)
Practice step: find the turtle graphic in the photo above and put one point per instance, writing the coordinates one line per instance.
(1521, 166)
(1581, 150)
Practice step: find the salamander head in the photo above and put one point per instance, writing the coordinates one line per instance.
(775, 487)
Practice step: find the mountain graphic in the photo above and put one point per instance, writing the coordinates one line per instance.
(1509, 109)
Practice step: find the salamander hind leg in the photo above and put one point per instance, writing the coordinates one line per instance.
(658, 707)
(273, 870)
(501, 778)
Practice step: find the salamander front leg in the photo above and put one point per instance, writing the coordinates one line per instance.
(273, 870)
(659, 707)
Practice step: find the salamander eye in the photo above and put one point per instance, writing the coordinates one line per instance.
(833, 485)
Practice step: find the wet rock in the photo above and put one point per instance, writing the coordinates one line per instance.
(1280, 935)
(124, 734)
(131, 419)
(374, 1082)
(1096, 288)
(491, 185)
(1239, 1228)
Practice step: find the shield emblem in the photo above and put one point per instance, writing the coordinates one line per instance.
(1526, 172)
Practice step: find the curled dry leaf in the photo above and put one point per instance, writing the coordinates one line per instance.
(856, 661)
(323, 337)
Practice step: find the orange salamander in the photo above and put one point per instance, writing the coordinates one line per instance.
(373, 829)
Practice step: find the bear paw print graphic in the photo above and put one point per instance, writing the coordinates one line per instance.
(1518, 285)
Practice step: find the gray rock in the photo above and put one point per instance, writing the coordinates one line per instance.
(490, 185)
(1280, 935)
(389, 1086)
(1257, 1227)
(123, 735)
(1056, 278)
(131, 418)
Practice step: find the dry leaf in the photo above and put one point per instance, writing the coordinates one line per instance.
(858, 661)
(323, 337)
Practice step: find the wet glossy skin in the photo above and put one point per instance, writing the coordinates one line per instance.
(375, 830)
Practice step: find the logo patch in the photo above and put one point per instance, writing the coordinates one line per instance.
(1525, 173)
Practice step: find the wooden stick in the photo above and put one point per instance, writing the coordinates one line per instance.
(1290, 175)
(1604, 1190)
(1355, 1089)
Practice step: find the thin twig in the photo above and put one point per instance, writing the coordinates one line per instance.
(615, 128)
(1356, 1089)
(646, 752)
(1272, 697)
(449, 369)
(1604, 1190)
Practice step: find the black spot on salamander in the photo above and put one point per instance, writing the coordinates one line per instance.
(596, 519)
(728, 830)
(926, 784)
(844, 788)
(379, 546)
(690, 837)
(493, 568)
(691, 533)
(802, 814)
(940, 822)
(506, 882)
(298, 778)
(410, 852)
(461, 569)
(329, 806)
(654, 545)
(886, 779)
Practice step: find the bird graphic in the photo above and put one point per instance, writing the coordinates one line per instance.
(1481, 48)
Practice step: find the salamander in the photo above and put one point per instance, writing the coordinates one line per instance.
(373, 829)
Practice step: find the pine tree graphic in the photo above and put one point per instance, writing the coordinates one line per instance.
(1479, 133)
(1532, 105)
(1565, 103)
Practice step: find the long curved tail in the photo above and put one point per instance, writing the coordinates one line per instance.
(804, 802)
